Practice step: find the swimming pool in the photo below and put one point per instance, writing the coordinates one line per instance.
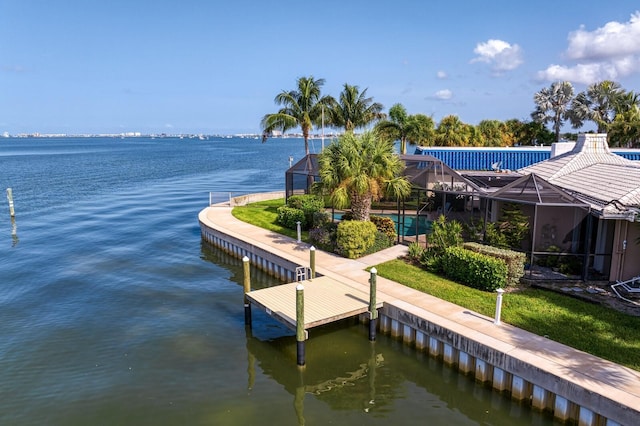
(407, 228)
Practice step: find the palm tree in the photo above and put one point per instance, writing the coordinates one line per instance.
(624, 131)
(552, 105)
(491, 132)
(406, 128)
(358, 170)
(301, 108)
(598, 104)
(354, 110)
(453, 132)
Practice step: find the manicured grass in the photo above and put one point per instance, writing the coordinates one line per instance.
(264, 215)
(592, 328)
(589, 327)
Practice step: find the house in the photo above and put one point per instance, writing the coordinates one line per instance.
(583, 205)
(610, 186)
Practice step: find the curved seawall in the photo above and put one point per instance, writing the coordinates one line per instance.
(569, 384)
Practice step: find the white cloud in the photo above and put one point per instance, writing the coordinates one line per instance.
(613, 40)
(501, 55)
(443, 95)
(442, 75)
(608, 53)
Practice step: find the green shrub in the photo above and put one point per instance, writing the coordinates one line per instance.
(381, 242)
(444, 234)
(474, 269)
(355, 237)
(324, 237)
(514, 260)
(288, 217)
(319, 219)
(309, 204)
(386, 225)
(416, 251)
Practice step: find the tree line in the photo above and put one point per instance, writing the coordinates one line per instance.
(613, 110)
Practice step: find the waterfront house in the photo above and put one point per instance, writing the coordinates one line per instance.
(583, 203)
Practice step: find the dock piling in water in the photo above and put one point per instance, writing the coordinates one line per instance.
(10, 198)
(247, 289)
(300, 331)
(373, 310)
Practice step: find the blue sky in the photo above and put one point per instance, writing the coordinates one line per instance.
(89, 66)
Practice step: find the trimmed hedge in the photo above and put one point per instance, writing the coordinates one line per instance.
(474, 269)
(515, 260)
(355, 237)
(288, 217)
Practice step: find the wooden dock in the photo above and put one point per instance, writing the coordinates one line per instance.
(325, 300)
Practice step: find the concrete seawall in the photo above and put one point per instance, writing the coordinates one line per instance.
(568, 384)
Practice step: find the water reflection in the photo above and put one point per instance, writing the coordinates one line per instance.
(14, 232)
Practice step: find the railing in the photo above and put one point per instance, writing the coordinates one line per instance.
(239, 198)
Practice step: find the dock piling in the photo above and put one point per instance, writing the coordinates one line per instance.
(373, 311)
(300, 332)
(10, 198)
(312, 261)
(247, 288)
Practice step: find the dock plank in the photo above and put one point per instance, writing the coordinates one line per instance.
(325, 300)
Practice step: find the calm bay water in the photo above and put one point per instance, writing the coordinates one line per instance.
(114, 312)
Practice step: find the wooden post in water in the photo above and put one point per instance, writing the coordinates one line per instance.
(373, 311)
(312, 261)
(247, 288)
(300, 333)
(10, 198)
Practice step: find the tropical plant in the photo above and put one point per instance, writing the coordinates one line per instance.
(415, 129)
(358, 170)
(300, 108)
(353, 109)
(552, 105)
(453, 132)
(491, 133)
(624, 131)
(598, 104)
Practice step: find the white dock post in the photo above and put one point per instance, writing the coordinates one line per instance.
(10, 198)
(498, 306)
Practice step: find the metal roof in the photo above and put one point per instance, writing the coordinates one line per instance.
(592, 173)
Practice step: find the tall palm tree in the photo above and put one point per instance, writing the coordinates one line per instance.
(353, 110)
(401, 126)
(301, 108)
(552, 105)
(598, 104)
(358, 170)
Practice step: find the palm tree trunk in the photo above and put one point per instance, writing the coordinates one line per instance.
(360, 206)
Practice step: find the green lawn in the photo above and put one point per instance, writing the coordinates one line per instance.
(264, 214)
(592, 328)
(589, 327)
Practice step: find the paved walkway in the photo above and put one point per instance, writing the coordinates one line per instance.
(618, 383)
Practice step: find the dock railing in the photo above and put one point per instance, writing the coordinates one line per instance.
(240, 198)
